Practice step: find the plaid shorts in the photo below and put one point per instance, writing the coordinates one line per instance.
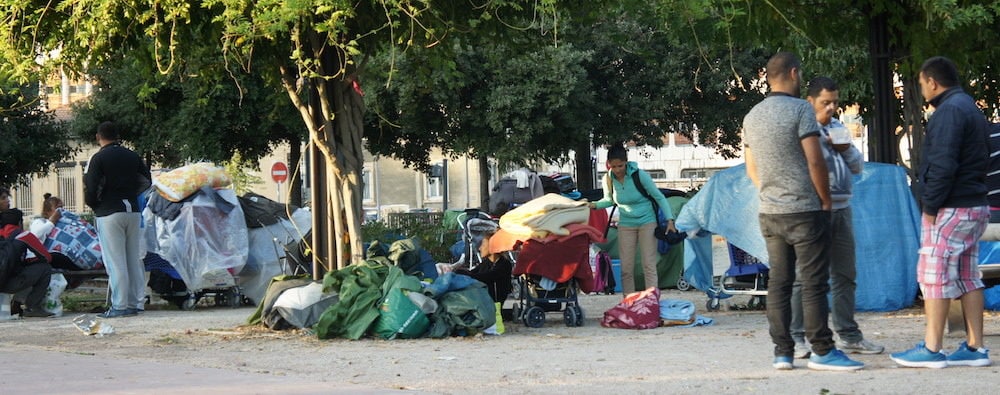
(949, 252)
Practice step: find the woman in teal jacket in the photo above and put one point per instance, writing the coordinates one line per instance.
(636, 219)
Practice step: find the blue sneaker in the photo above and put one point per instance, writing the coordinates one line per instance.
(963, 356)
(833, 360)
(782, 363)
(920, 357)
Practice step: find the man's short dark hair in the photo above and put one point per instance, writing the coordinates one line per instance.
(942, 70)
(617, 151)
(780, 64)
(11, 217)
(4, 190)
(108, 130)
(819, 84)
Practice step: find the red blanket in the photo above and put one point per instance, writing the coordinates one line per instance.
(559, 259)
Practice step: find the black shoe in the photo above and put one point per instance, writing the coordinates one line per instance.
(37, 313)
(15, 308)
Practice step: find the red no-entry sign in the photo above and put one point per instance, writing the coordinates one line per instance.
(279, 172)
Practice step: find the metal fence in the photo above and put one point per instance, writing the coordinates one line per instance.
(409, 220)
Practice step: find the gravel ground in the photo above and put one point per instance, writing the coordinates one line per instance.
(731, 356)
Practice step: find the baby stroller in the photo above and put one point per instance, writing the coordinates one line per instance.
(746, 275)
(546, 279)
(475, 225)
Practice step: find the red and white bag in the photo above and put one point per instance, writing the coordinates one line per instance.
(639, 310)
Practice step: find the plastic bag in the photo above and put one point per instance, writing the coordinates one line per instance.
(400, 317)
(52, 302)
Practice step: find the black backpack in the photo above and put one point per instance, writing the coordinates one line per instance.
(12, 253)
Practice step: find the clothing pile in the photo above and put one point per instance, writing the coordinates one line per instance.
(553, 237)
(203, 235)
(377, 297)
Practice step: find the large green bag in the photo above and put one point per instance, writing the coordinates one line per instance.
(398, 316)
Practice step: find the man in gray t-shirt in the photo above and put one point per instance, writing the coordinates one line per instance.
(785, 161)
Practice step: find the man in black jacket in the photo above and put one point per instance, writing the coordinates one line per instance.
(114, 178)
(955, 214)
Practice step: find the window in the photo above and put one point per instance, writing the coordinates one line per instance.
(700, 173)
(67, 176)
(22, 199)
(435, 182)
(434, 188)
(369, 184)
(657, 174)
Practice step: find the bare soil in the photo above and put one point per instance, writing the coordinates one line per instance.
(731, 356)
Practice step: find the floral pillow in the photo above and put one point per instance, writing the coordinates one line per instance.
(178, 184)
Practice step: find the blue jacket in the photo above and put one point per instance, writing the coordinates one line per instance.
(956, 154)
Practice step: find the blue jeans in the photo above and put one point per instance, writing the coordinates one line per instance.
(798, 242)
(843, 272)
(119, 236)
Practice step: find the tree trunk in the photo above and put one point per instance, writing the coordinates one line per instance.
(294, 163)
(881, 131)
(484, 184)
(913, 128)
(342, 109)
(584, 168)
(334, 117)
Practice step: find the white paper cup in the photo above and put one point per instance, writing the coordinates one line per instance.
(840, 135)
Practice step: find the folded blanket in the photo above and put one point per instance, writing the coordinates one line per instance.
(574, 230)
(530, 217)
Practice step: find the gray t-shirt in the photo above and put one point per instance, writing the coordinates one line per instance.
(773, 130)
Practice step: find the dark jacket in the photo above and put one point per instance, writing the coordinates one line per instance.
(115, 177)
(956, 154)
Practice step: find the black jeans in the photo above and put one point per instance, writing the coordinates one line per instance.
(35, 276)
(798, 241)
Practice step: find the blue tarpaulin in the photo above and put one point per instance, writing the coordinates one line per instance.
(886, 231)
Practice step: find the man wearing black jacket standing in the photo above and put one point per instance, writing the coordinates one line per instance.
(114, 178)
(955, 214)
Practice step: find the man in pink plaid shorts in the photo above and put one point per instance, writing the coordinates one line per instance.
(955, 213)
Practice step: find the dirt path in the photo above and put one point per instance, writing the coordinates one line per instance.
(731, 356)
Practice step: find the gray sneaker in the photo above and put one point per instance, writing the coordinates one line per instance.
(860, 347)
(802, 350)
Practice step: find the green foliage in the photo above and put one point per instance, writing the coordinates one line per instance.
(172, 119)
(484, 101)
(614, 76)
(832, 37)
(243, 181)
(33, 140)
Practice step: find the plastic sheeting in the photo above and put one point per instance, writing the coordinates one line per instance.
(207, 243)
(886, 231)
(267, 252)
